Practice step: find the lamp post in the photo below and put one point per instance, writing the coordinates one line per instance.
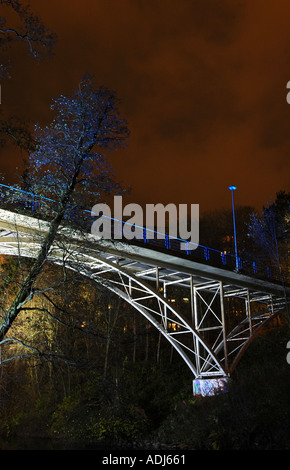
(232, 189)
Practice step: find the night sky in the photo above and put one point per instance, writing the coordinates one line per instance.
(202, 85)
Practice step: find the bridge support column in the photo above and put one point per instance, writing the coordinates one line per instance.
(196, 327)
(157, 278)
(191, 299)
(165, 306)
(248, 311)
(209, 322)
(224, 326)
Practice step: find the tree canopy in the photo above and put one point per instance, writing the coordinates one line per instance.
(68, 163)
(71, 152)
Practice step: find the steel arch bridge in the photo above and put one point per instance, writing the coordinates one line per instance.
(142, 277)
(209, 338)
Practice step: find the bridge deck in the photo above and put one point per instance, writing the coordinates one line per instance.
(141, 260)
(20, 201)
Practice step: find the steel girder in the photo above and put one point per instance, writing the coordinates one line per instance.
(208, 344)
(144, 298)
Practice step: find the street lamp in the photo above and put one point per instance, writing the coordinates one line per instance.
(232, 188)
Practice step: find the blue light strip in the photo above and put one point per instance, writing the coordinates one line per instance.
(206, 251)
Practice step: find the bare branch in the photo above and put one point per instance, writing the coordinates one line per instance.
(35, 353)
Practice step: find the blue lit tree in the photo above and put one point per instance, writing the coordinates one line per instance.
(68, 162)
(270, 232)
(70, 152)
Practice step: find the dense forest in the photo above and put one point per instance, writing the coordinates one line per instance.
(104, 377)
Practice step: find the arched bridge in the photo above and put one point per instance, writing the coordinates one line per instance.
(208, 312)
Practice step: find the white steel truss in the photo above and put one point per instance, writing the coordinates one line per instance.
(207, 339)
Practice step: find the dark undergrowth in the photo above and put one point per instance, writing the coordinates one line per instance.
(149, 404)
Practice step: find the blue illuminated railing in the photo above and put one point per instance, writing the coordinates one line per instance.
(11, 197)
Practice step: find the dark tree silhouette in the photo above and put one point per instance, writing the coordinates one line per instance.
(21, 24)
(270, 232)
(18, 23)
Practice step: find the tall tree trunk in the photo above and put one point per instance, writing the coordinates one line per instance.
(158, 349)
(134, 338)
(25, 292)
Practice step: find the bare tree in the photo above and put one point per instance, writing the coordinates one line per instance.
(21, 24)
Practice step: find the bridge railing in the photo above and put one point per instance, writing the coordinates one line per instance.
(43, 207)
